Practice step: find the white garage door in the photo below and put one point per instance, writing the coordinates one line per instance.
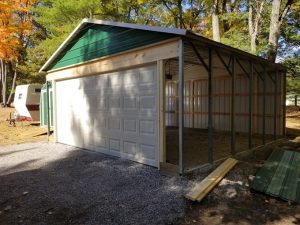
(112, 113)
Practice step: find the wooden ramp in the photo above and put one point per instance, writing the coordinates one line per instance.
(200, 190)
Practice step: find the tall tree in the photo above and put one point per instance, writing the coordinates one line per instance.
(254, 21)
(277, 17)
(215, 21)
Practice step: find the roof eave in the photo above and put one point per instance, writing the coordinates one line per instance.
(234, 50)
(62, 46)
(137, 26)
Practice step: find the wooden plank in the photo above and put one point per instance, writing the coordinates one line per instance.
(161, 108)
(209, 181)
(217, 180)
(205, 186)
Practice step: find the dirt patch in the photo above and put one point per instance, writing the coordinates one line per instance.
(21, 133)
(233, 202)
(293, 122)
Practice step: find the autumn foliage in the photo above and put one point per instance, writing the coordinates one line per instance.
(15, 25)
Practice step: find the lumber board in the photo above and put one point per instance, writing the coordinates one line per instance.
(123, 60)
(217, 179)
(200, 190)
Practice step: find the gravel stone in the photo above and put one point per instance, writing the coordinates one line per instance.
(85, 187)
(7, 208)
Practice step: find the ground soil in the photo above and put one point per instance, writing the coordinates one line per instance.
(38, 188)
(21, 133)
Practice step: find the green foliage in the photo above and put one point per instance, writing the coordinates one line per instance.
(55, 19)
(293, 73)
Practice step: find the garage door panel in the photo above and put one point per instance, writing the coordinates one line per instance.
(130, 103)
(100, 140)
(112, 113)
(146, 76)
(115, 144)
(100, 123)
(130, 126)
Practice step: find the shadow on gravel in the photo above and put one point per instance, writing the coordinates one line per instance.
(17, 151)
(90, 188)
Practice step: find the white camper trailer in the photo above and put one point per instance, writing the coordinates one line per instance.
(26, 102)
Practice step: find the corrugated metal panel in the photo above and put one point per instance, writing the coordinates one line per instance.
(96, 41)
(280, 176)
(196, 103)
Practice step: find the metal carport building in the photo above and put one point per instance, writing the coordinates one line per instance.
(161, 95)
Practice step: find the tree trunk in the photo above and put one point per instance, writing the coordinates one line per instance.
(250, 27)
(4, 76)
(274, 31)
(9, 100)
(215, 22)
(224, 10)
(254, 19)
(275, 25)
(180, 16)
(1, 76)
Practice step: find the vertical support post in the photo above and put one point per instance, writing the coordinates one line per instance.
(232, 111)
(180, 103)
(284, 105)
(250, 106)
(275, 105)
(161, 109)
(191, 102)
(264, 107)
(48, 110)
(210, 118)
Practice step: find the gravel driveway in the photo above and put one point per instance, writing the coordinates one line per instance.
(43, 183)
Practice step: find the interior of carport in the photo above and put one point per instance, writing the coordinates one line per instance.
(219, 103)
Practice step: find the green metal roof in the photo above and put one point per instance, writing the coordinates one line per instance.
(280, 176)
(97, 40)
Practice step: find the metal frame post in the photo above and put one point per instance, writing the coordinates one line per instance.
(250, 106)
(284, 106)
(181, 107)
(232, 113)
(209, 69)
(48, 110)
(275, 106)
(264, 107)
(210, 118)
